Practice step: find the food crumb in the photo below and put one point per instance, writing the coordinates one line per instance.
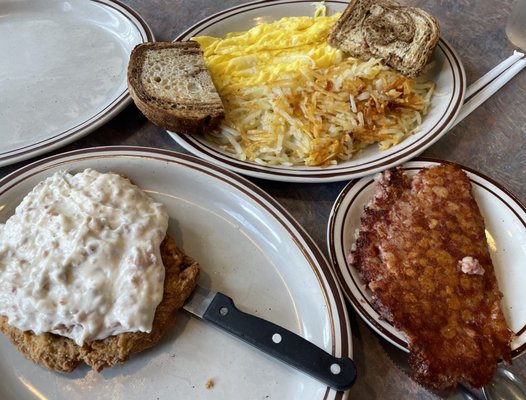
(209, 384)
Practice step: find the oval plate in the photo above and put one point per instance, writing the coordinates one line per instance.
(505, 219)
(248, 247)
(63, 71)
(447, 72)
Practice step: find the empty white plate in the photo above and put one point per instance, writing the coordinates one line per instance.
(63, 70)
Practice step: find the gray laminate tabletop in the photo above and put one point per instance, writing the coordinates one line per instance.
(491, 140)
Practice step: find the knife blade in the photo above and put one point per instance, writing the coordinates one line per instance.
(219, 310)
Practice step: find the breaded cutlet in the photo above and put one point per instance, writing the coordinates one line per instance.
(422, 251)
(64, 355)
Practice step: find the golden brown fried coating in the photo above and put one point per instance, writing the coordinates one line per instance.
(422, 250)
(64, 355)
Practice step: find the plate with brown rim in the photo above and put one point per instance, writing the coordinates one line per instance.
(505, 220)
(248, 247)
(63, 71)
(447, 72)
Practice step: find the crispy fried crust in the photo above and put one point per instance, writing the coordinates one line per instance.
(63, 355)
(413, 235)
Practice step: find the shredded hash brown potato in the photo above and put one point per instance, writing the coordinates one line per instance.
(291, 99)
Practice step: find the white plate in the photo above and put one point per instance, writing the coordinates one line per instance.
(63, 70)
(248, 246)
(505, 219)
(448, 74)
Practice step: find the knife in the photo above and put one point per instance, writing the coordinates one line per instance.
(219, 309)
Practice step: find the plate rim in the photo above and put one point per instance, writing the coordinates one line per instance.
(334, 299)
(339, 172)
(118, 103)
(369, 319)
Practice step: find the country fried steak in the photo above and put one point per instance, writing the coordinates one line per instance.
(64, 355)
(422, 251)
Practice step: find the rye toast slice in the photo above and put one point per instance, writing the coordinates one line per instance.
(172, 87)
(404, 37)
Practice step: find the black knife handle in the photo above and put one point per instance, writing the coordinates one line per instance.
(338, 373)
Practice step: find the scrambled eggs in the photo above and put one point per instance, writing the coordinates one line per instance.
(291, 99)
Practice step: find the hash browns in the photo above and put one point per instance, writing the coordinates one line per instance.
(64, 355)
(414, 237)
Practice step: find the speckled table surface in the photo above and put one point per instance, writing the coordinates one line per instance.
(491, 140)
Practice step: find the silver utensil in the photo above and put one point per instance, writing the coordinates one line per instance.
(504, 386)
(482, 89)
(219, 309)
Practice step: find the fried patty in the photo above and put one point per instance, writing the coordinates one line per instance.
(422, 251)
(64, 355)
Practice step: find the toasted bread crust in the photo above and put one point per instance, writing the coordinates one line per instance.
(177, 111)
(64, 355)
(404, 37)
(414, 234)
